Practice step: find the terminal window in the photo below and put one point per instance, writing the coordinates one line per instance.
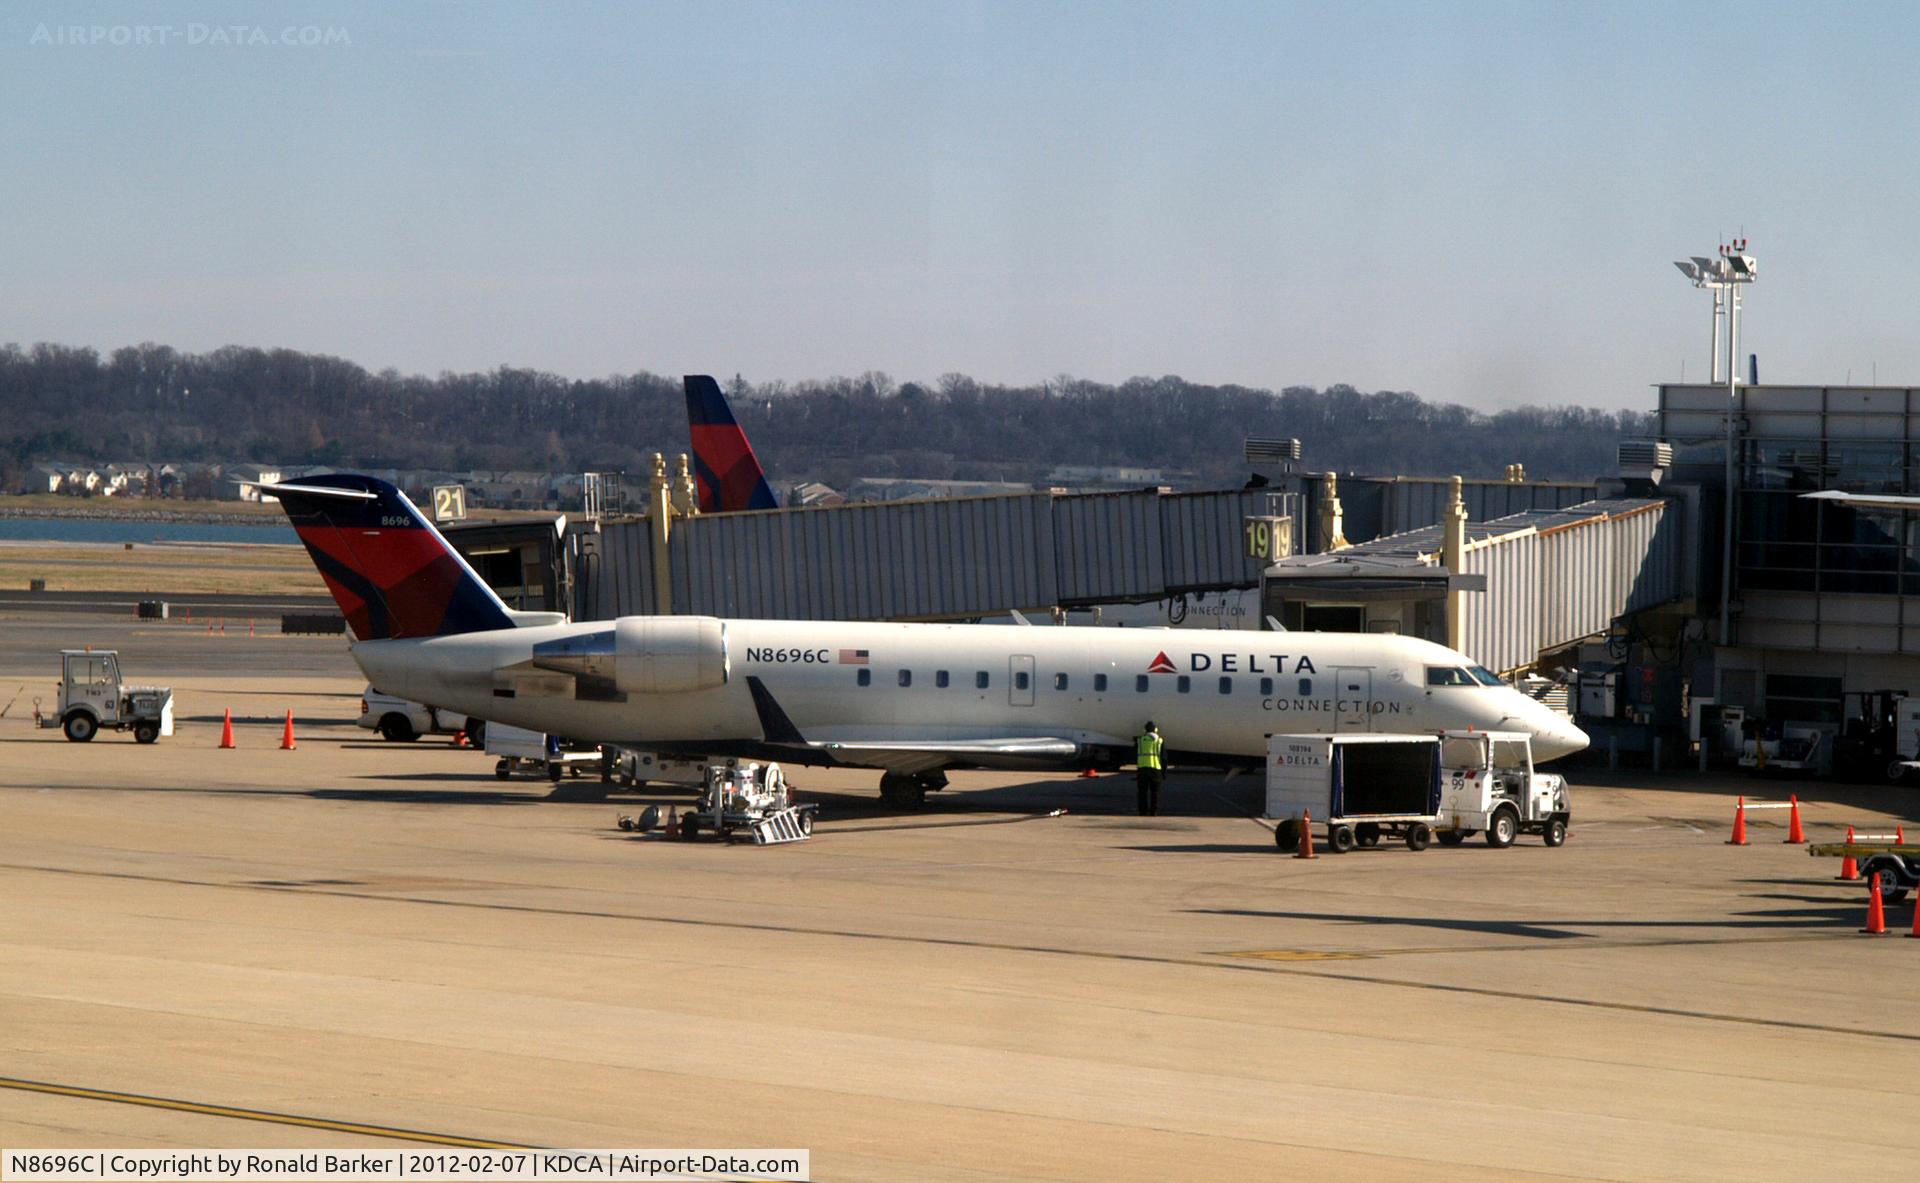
(866, 678)
(1099, 683)
(940, 679)
(1059, 681)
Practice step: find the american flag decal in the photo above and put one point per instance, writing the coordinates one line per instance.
(853, 657)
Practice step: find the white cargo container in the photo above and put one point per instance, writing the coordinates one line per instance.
(1358, 786)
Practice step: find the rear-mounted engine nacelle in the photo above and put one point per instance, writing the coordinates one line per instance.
(644, 654)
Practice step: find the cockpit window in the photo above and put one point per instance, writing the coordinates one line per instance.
(1486, 677)
(1447, 675)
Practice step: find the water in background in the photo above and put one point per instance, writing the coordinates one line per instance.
(113, 531)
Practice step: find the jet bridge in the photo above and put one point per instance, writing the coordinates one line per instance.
(1523, 585)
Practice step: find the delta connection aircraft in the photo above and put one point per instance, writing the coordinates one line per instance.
(912, 700)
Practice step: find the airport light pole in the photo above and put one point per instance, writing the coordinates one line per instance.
(1723, 277)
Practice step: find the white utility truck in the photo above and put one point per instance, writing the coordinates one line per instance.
(92, 696)
(1489, 786)
(1451, 785)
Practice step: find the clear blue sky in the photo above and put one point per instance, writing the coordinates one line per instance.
(1477, 202)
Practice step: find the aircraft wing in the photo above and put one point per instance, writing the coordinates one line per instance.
(925, 755)
(1864, 500)
(907, 753)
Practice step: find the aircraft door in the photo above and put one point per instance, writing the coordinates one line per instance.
(1353, 689)
(1020, 680)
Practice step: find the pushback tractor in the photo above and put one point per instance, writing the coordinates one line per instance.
(92, 696)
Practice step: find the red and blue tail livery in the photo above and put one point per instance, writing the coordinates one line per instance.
(724, 466)
(390, 571)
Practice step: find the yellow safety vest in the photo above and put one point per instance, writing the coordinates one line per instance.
(1146, 750)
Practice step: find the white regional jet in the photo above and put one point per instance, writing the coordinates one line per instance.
(912, 700)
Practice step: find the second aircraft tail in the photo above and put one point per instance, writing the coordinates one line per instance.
(728, 473)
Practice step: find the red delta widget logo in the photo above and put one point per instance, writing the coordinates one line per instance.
(1233, 663)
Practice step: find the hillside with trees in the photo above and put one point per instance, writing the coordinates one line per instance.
(153, 403)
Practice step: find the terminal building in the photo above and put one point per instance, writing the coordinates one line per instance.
(1822, 600)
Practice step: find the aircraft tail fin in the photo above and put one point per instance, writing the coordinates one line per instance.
(391, 572)
(727, 472)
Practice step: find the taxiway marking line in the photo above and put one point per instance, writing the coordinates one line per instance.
(207, 1110)
(1197, 962)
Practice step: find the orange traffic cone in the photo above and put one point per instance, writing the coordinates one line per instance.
(286, 736)
(1306, 836)
(1739, 824)
(1900, 835)
(249, 626)
(1849, 869)
(1795, 835)
(673, 821)
(1916, 919)
(1876, 911)
(460, 739)
(1089, 774)
(226, 731)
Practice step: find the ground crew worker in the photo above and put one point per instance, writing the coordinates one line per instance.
(1146, 767)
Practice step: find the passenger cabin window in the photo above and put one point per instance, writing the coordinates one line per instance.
(1306, 687)
(1099, 683)
(1140, 683)
(1266, 685)
(1021, 681)
(1226, 685)
(866, 678)
(940, 679)
(906, 677)
(980, 680)
(1446, 675)
(1059, 681)
(1185, 685)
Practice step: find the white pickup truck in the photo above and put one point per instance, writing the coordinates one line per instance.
(402, 720)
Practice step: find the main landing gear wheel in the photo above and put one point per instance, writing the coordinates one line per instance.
(904, 792)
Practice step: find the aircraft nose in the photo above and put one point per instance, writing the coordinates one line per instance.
(1556, 736)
